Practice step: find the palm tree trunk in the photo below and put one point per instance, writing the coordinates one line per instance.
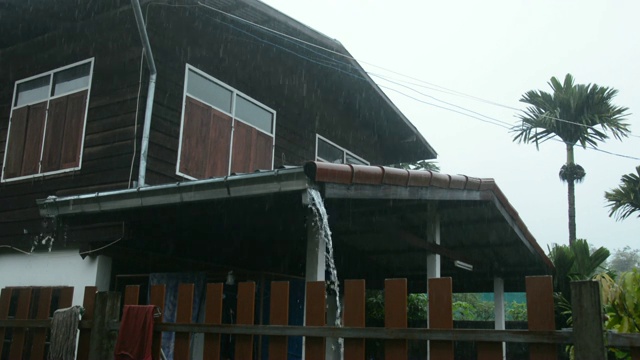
(571, 197)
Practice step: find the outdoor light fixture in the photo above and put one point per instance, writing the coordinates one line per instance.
(463, 265)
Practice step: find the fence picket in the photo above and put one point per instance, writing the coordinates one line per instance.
(279, 315)
(40, 335)
(314, 347)
(66, 297)
(540, 314)
(395, 316)
(22, 312)
(5, 302)
(354, 316)
(440, 315)
(84, 339)
(489, 350)
(156, 297)
(213, 316)
(246, 308)
(184, 313)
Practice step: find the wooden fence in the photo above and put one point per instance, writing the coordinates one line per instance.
(25, 320)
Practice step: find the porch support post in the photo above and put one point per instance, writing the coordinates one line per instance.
(433, 236)
(433, 260)
(315, 266)
(498, 300)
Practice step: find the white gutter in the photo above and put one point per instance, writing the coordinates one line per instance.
(144, 147)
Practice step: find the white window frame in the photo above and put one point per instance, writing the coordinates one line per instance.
(44, 133)
(234, 94)
(345, 152)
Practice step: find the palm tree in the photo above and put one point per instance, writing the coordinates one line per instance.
(625, 199)
(576, 114)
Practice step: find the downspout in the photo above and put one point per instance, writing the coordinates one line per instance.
(144, 146)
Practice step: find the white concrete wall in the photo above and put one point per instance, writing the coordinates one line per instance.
(57, 268)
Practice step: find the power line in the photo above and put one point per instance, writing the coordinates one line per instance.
(331, 62)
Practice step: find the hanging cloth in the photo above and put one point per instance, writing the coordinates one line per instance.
(64, 328)
(136, 333)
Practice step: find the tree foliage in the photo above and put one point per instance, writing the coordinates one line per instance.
(426, 165)
(625, 199)
(624, 260)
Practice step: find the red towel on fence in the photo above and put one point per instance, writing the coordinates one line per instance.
(136, 332)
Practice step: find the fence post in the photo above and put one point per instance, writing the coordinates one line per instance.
(84, 338)
(103, 341)
(540, 314)
(315, 315)
(587, 320)
(279, 315)
(354, 316)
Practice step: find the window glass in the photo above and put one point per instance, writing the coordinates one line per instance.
(354, 160)
(208, 91)
(329, 152)
(32, 91)
(72, 79)
(254, 114)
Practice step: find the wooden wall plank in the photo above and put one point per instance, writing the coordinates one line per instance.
(5, 303)
(314, 347)
(22, 312)
(184, 315)
(213, 315)
(279, 315)
(156, 297)
(246, 311)
(440, 315)
(131, 294)
(354, 316)
(84, 339)
(395, 316)
(540, 314)
(40, 335)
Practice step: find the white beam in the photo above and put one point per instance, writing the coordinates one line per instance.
(498, 300)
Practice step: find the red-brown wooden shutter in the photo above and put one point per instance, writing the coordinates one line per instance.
(33, 139)
(63, 139)
(206, 137)
(73, 130)
(16, 137)
(252, 149)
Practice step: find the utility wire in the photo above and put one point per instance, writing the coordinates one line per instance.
(331, 62)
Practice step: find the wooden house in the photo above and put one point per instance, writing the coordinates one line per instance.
(173, 137)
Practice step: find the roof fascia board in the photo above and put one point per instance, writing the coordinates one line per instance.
(388, 192)
(281, 180)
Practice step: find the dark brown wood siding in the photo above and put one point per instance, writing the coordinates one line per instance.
(252, 149)
(112, 132)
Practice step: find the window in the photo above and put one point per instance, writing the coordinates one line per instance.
(223, 131)
(330, 152)
(47, 123)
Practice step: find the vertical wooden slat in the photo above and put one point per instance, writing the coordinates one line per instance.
(33, 138)
(540, 314)
(40, 335)
(5, 303)
(587, 320)
(440, 315)
(16, 145)
(279, 315)
(635, 353)
(73, 129)
(489, 350)
(103, 341)
(131, 294)
(184, 314)
(213, 316)
(84, 338)
(314, 347)
(66, 297)
(246, 311)
(395, 316)
(156, 297)
(354, 316)
(22, 312)
(54, 134)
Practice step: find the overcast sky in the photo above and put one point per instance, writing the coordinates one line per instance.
(497, 50)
